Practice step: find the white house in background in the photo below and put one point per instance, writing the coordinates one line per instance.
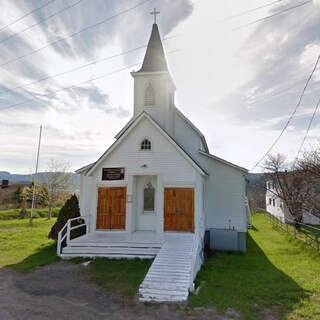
(157, 191)
(277, 208)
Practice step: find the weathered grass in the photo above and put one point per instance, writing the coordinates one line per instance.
(38, 213)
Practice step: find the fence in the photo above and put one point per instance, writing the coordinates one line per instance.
(310, 235)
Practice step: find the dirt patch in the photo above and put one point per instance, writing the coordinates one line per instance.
(273, 313)
(62, 291)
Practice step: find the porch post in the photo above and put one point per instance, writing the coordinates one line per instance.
(159, 204)
(129, 205)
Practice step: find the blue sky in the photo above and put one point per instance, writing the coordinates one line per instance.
(237, 84)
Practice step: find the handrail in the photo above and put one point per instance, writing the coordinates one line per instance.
(193, 261)
(67, 234)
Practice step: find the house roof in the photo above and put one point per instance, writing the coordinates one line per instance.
(88, 169)
(224, 161)
(154, 59)
(202, 137)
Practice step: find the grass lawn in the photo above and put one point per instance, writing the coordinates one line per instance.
(23, 247)
(119, 276)
(277, 273)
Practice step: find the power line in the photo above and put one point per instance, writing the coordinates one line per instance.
(291, 116)
(25, 15)
(35, 24)
(79, 83)
(273, 15)
(72, 70)
(94, 62)
(251, 10)
(76, 33)
(308, 129)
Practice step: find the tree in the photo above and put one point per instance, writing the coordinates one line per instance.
(292, 184)
(310, 165)
(68, 211)
(58, 181)
(17, 196)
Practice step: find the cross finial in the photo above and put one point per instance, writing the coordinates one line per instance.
(155, 12)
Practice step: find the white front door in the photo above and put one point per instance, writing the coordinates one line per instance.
(146, 190)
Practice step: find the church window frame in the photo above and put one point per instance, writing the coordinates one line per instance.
(149, 96)
(149, 198)
(146, 144)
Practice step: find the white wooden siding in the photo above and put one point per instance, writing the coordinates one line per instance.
(224, 196)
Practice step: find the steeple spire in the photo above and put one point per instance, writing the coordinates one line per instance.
(154, 59)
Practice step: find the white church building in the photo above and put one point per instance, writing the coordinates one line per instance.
(158, 192)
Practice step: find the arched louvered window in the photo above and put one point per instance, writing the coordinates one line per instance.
(146, 144)
(149, 96)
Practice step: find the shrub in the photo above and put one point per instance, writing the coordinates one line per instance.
(69, 210)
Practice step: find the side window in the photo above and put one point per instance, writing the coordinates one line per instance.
(274, 202)
(148, 197)
(149, 99)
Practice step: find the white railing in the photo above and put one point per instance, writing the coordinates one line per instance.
(248, 212)
(194, 254)
(61, 237)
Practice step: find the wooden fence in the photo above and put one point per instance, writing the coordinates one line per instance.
(309, 234)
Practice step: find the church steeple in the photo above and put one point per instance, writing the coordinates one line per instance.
(153, 87)
(154, 59)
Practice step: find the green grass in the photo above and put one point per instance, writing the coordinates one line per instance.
(38, 213)
(23, 247)
(277, 272)
(119, 276)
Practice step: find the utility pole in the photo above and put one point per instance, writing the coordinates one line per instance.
(34, 186)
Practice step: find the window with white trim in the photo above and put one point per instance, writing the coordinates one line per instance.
(148, 197)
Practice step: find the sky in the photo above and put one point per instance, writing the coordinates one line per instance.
(238, 79)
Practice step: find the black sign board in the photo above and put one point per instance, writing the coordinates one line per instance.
(112, 173)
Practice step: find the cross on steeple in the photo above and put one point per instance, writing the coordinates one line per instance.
(155, 12)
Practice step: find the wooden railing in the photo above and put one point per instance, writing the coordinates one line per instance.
(309, 234)
(67, 228)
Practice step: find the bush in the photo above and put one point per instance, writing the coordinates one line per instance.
(69, 210)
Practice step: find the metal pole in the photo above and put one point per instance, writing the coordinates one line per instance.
(34, 186)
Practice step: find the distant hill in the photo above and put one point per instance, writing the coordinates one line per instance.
(255, 181)
(26, 178)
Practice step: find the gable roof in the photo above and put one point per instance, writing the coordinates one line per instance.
(224, 161)
(124, 133)
(154, 59)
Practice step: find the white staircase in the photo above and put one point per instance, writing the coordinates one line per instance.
(111, 250)
(171, 274)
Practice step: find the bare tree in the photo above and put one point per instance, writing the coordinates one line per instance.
(310, 165)
(58, 181)
(289, 183)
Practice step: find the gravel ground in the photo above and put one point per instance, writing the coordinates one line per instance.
(61, 291)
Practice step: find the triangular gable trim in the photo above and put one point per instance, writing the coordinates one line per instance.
(128, 130)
